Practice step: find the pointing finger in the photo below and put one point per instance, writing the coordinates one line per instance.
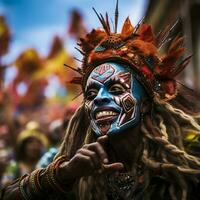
(103, 140)
(108, 168)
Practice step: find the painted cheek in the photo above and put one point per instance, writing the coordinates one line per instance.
(128, 102)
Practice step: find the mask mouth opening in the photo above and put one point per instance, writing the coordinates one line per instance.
(104, 117)
(104, 127)
(104, 122)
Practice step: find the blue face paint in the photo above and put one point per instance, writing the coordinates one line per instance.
(113, 98)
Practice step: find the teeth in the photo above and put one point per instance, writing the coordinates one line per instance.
(105, 114)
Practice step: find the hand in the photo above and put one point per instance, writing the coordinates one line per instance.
(88, 160)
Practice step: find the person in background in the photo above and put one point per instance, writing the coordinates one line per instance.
(56, 133)
(6, 146)
(31, 145)
(57, 130)
(4, 159)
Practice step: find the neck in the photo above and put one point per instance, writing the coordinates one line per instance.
(125, 147)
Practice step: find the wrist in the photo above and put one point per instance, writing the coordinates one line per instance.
(64, 174)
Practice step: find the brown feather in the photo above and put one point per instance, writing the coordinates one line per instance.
(146, 48)
(116, 16)
(180, 67)
(102, 20)
(91, 40)
(159, 37)
(107, 22)
(170, 59)
(167, 33)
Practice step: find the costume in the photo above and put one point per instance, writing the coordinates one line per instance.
(130, 95)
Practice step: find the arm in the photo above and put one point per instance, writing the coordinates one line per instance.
(59, 177)
(40, 184)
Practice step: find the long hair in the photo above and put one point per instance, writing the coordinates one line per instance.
(164, 150)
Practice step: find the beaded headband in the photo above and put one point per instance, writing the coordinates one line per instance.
(139, 49)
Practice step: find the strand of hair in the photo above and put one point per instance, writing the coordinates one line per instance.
(78, 95)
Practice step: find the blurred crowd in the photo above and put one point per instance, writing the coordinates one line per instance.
(25, 148)
(32, 123)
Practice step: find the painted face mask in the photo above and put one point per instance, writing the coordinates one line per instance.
(113, 98)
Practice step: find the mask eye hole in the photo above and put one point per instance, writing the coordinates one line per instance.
(91, 94)
(117, 89)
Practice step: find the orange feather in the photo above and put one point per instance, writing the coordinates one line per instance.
(127, 28)
(145, 47)
(176, 43)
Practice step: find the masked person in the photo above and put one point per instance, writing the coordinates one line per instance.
(136, 134)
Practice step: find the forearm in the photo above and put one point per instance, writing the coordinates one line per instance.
(40, 184)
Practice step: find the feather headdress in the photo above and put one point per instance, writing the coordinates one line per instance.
(139, 48)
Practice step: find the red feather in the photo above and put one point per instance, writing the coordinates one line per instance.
(146, 33)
